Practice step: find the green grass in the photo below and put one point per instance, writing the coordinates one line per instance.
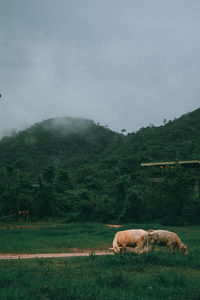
(157, 275)
(62, 237)
(54, 237)
(149, 276)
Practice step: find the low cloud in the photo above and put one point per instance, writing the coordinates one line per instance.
(125, 66)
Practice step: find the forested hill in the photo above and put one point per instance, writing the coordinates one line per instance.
(58, 141)
(175, 140)
(74, 168)
(73, 141)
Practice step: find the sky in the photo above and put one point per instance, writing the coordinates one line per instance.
(124, 64)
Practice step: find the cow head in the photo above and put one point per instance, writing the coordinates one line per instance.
(184, 249)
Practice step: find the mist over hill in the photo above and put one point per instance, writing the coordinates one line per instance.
(80, 170)
(56, 142)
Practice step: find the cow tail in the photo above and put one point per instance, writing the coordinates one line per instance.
(116, 248)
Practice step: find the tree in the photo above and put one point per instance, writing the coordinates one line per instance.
(177, 190)
(133, 206)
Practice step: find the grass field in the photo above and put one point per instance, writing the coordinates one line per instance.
(157, 275)
(54, 237)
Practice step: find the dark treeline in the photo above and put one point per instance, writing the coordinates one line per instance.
(82, 171)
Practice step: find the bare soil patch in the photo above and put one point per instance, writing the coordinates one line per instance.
(54, 255)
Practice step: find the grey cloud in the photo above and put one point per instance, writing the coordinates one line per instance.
(125, 64)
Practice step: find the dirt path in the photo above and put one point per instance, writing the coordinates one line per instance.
(52, 255)
(55, 255)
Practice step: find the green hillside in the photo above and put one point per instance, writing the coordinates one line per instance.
(176, 140)
(79, 170)
(57, 141)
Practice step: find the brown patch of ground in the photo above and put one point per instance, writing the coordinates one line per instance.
(53, 255)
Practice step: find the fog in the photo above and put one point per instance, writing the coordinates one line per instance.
(125, 64)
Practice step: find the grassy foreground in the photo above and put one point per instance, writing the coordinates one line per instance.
(149, 276)
(157, 275)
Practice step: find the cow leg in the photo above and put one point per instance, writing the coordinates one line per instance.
(152, 247)
(152, 244)
(124, 248)
(140, 246)
(172, 249)
(139, 250)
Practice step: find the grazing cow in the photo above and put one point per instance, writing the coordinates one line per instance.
(135, 238)
(166, 238)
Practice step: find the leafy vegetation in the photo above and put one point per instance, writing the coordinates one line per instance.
(81, 171)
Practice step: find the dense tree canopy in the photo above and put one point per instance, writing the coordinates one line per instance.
(78, 170)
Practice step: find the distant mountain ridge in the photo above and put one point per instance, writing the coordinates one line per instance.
(61, 140)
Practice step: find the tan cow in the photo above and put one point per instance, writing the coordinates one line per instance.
(166, 238)
(135, 238)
